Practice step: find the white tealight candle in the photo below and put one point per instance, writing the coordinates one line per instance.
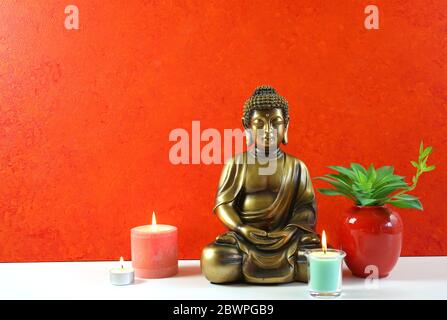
(121, 276)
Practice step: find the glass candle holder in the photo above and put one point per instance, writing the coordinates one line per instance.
(324, 271)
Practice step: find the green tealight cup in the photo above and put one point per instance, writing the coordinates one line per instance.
(324, 272)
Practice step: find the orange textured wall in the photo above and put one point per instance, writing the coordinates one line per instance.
(85, 114)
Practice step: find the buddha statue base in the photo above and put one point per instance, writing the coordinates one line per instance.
(222, 264)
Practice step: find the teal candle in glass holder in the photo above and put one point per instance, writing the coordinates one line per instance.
(324, 271)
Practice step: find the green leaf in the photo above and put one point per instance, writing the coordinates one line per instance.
(387, 180)
(340, 177)
(362, 177)
(359, 191)
(398, 184)
(372, 174)
(415, 164)
(330, 192)
(385, 170)
(382, 173)
(336, 182)
(423, 163)
(359, 168)
(347, 172)
(368, 202)
(339, 185)
(429, 168)
(406, 201)
(427, 152)
(421, 148)
(387, 189)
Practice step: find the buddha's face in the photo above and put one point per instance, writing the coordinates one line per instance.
(268, 127)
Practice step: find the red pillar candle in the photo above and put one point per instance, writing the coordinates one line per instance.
(154, 250)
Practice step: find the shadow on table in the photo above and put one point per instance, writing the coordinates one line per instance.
(242, 284)
(418, 271)
(139, 281)
(188, 271)
(347, 274)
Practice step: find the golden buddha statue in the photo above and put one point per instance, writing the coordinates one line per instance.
(270, 214)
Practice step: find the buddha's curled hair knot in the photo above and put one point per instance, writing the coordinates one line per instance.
(264, 90)
(265, 98)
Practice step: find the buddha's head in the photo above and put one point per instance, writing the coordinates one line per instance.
(266, 118)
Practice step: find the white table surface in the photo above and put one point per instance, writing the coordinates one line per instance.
(412, 278)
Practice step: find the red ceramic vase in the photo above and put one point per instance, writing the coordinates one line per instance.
(372, 240)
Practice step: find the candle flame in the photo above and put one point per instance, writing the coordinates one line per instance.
(122, 262)
(323, 242)
(154, 221)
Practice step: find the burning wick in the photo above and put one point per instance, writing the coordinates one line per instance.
(323, 242)
(122, 262)
(154, 221)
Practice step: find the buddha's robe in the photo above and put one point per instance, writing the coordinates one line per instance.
(294, 206)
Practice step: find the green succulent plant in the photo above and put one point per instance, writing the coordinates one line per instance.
(376, 187)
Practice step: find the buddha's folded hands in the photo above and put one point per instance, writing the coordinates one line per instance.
(286, 233)
(282, 238)
(309, 238)
(256, 236)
